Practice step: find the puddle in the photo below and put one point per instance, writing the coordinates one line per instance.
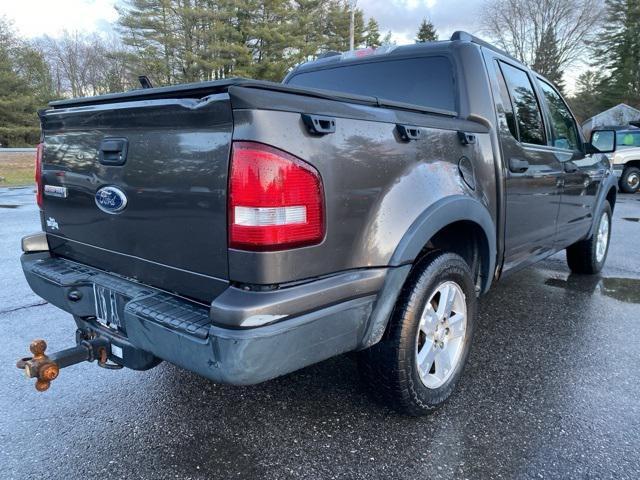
(9, 206)
(622, 289)
(631, 219)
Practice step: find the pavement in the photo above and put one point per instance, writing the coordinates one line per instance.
(550, 391)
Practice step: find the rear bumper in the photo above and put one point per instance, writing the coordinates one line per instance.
(158, 325)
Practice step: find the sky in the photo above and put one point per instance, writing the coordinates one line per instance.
(33, 18)
(36, 17)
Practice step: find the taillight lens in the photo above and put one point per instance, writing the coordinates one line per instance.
(275, 200)
(38, 175)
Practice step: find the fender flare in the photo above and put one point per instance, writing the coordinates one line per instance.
(444, 212)
(441, 214)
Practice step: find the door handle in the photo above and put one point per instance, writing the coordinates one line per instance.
(517, 165)
(113, 151)
(570, 167)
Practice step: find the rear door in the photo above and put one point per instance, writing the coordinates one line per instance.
(533, 173)
(582, 174)
(167, 161)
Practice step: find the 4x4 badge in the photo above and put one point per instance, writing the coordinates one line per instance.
(52, 223)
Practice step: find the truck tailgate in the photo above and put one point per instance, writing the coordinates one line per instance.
(172, 233)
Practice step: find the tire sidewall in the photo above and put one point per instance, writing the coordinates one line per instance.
(594, 244)
(624, 181)
(442, 268)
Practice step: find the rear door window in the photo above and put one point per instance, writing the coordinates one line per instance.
(505, 103)
(423, 81)
(525, 104)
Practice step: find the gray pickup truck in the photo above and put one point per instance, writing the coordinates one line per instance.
(244, 229)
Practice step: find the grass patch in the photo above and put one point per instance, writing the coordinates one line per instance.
(16, 169)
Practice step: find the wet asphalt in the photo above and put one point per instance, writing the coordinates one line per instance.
(551, 390)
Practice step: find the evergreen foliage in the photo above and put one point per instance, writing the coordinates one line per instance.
(372, 34)
(617, 52)
(426, 32)
(25, 87)
(547, 59)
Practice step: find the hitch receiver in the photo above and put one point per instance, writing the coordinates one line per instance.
(46, 368)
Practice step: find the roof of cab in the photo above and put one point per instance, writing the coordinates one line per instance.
(333, 58)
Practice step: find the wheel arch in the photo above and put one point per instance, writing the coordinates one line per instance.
(431, 231)
(632, 163)
(447, 225)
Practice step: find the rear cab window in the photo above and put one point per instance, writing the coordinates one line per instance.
(423, 81)
(525, 105)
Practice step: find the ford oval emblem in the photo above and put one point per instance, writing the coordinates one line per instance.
(111, 199)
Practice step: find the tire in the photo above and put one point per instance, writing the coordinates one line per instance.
(585, 257)
(390, 368)
(630, 180)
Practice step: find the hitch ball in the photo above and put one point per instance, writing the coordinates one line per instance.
(45, 368)
(40, 366)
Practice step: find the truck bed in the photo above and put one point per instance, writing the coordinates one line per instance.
(173, 234)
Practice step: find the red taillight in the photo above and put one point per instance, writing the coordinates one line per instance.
(38, 175)
(275, 200)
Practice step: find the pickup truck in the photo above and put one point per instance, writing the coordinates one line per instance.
(626, 158)
(244, 229)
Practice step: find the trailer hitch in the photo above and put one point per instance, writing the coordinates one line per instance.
(46, 368)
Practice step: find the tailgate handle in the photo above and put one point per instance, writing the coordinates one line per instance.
(319, 124)
(113, 151)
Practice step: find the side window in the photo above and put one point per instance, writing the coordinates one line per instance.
(526, 105)
(628, 139)
(564, 131)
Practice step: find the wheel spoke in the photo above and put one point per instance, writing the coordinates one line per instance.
(445, 304)
(443, 364)
(442, 301)
(457, 326)
(426, 355)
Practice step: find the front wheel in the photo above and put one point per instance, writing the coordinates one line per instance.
(588, 256)
(630, 180)
(418, 363)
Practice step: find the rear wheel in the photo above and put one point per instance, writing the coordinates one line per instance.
(418, 363)
(589, 256)
(630, 180)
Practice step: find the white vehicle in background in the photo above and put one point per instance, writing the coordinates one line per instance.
(626, 158)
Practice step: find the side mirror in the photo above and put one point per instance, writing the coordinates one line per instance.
(602, 141)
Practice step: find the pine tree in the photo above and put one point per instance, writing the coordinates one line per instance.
(547, 59)
(426, 32)
(618, 51)
(307, 38)
(150, 28)
(189, 40)
(372, 36)
(586, 101)
(25, 87)
(270, 35)
(337, 26)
